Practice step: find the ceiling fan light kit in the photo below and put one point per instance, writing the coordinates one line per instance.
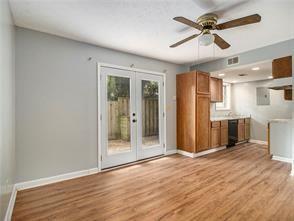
(207, 23)
(206, 39)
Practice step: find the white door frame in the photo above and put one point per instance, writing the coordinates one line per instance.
(99, 116)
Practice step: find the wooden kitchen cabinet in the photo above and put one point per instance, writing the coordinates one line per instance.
(288, 94)
(241, 130)
(203, 83)
(216, 89)
(193, 111)
(219, 133)
(224, 133)
(215, 137)
(247, 129)
(202, 122)
(282, 67)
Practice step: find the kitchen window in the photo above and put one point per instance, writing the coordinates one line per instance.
(226, 104)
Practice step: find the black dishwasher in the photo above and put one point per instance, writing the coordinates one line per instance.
(233, 132)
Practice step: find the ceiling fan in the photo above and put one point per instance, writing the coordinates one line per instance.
(208, 22)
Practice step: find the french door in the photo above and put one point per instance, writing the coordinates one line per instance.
(132, 116)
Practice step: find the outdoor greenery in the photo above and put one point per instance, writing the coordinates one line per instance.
(120, 87)
(117, 87)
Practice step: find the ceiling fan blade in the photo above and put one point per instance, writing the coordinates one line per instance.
(183, 41)
(221, 42)
(239, 22)
(188, 22)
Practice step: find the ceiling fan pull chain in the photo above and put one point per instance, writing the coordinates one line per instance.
(198, 50)
(213, 50)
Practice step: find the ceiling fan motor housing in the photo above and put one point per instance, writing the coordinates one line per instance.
(208, 21)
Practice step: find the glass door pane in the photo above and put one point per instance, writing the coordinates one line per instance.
(118, 106)
(118, 123)
(149, 102)
(150, 113)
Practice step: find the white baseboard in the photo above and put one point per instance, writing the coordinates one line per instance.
(194, 155)
(170, 152)
(11, 203)
(258, 142)
(185, 153)
(283, 159)
(209, 151)
(54, 179)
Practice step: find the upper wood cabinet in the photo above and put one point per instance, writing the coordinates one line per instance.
(282, 67)
(193, 111)
(288, 94)
(203, 85)
(216, 89)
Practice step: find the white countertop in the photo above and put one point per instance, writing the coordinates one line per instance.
(234, 117)
(279, 120)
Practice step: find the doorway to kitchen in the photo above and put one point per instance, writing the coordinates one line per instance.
(131, 115)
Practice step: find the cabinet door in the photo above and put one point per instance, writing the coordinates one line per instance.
(282, 67)
(213, 90)
(202, 122)
(202, 81)
(224, 136)
(241, 132)
(288, 94)
(216, 90)
(247, 131)
(220, 90)
(186, 117)
(215, 137)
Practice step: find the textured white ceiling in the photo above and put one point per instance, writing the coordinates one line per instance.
(232, 74)
(145, 27)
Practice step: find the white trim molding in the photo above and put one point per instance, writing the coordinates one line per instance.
(170, 152)
(11, 203)
(282, 159)
(99, 65)
(54, 179)
(209, 151)
(194, 155)
(258, 142)
(185, 153)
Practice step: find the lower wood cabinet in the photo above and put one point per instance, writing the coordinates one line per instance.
(219, 133)
(224, 136)
(247, 129)
(241, 131)
(215, 137)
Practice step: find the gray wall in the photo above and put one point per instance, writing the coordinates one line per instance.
(7, 160)
(56, 102)
(244, 102)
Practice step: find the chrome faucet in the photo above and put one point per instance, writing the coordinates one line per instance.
(230, 114)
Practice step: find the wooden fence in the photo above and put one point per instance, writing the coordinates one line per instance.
(119, 110)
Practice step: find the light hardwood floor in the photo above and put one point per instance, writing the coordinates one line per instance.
(240, 183)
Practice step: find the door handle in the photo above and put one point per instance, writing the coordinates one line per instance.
(134, 120)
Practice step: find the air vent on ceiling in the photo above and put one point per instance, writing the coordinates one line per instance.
(233, 61)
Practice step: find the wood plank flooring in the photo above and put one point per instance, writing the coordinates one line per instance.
(239, 183)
